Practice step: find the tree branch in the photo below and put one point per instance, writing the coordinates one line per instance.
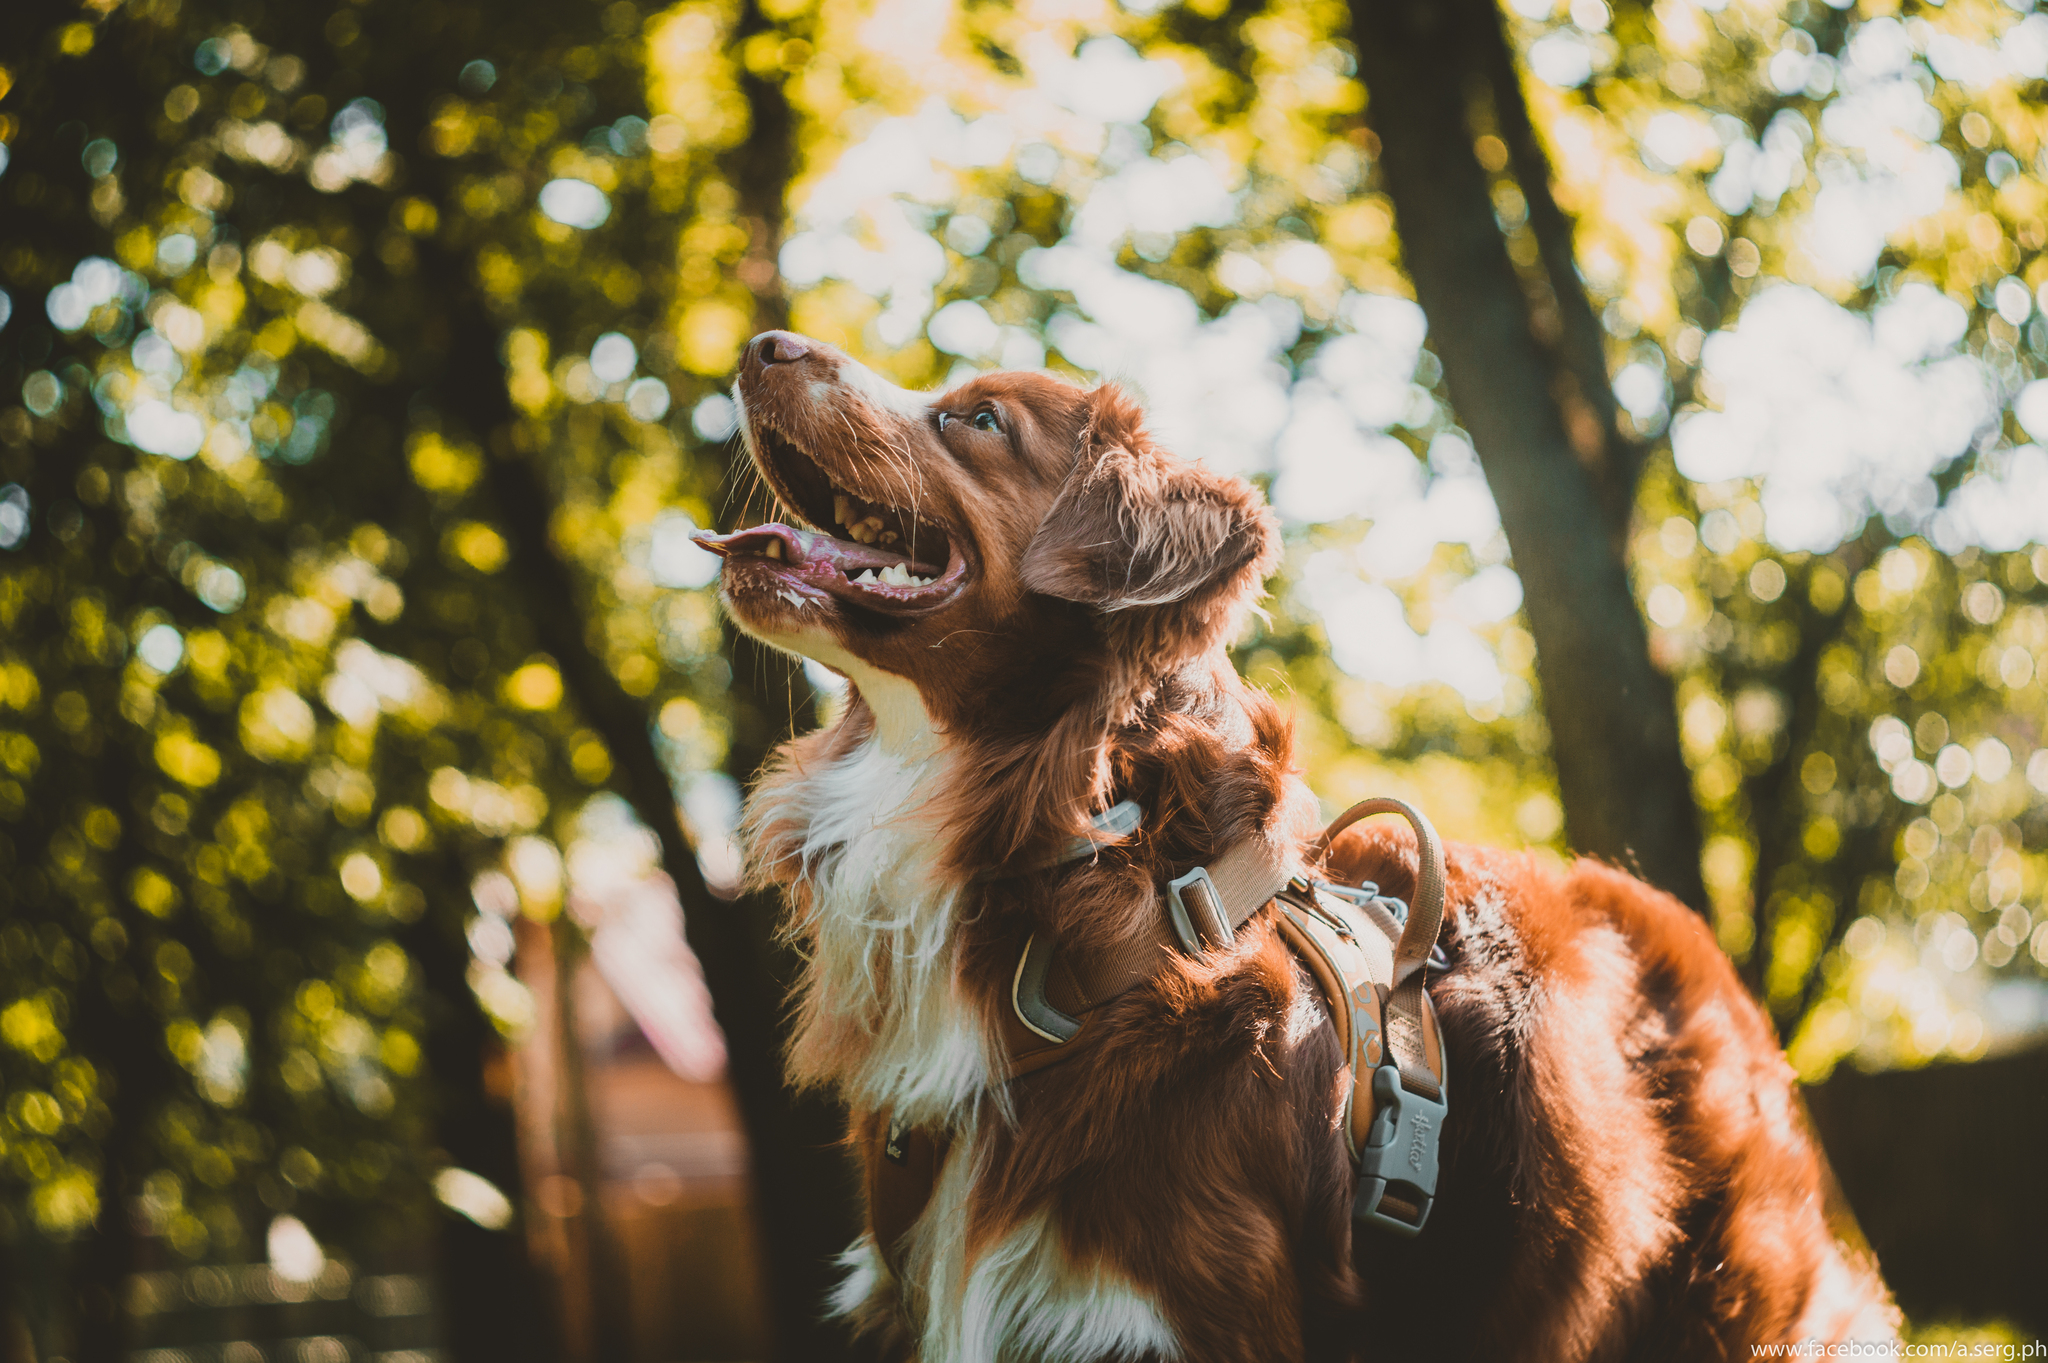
(1627, 793)
(1775, 800)
(1580, 343)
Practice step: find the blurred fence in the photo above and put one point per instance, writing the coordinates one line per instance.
(1947, 1169)
(248, 1313)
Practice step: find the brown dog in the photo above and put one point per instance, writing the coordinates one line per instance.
(1032, 602)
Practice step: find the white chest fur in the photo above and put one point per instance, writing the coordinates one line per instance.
(881, 1017)
(1021, 1300)
(881, 1014)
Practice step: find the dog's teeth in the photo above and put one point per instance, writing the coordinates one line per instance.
(774, 549)
(842, 509)
(890, 537)
(894, 575)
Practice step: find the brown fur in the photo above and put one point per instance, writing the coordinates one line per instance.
(1625, 1169)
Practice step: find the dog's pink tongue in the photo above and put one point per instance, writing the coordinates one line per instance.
(802, 548)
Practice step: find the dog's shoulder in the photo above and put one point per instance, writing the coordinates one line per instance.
(1625, 1135)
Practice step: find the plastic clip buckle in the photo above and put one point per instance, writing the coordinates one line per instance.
(1197, 929)
(1400, 1156)
(1364, 895)
(1360, 894)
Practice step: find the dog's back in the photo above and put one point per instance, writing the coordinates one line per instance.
(1627, 1172)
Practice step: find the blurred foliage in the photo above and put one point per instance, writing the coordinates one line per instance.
(270, 705)
(272, 699)
(1863, 725)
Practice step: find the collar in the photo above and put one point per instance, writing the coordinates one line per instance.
(1052, 997)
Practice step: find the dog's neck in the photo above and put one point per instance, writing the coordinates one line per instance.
(902, 724)
(871, 830)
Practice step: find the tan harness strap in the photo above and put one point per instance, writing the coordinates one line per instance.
(1373, 983)
(1397, 1158)
(1351, 963)
(900, 1169)
(1052, 995)
(1411, 1021)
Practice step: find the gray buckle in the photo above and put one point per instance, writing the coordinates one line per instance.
(1198, 920)
(1027, 994)
(1400, 1155)
(1110, 827)
(1365, 895)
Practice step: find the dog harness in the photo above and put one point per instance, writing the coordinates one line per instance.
(1368, 953)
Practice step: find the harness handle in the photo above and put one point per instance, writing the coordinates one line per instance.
(1411, 1023)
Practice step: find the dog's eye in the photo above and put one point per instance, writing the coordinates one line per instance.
(988, 421)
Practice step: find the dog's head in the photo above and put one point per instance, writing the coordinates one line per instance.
(1015, 527)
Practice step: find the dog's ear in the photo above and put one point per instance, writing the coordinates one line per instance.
(1136, 528)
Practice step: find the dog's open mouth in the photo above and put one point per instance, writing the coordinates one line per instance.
(874, 553)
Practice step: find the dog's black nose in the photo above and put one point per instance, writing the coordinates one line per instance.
(779, 347)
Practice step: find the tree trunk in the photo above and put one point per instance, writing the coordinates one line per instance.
(1614, 734)
(489, 1297)
(1576, 339)
(609, 1338)
(803, 1190)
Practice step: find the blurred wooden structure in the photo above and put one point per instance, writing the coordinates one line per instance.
(660, 1266)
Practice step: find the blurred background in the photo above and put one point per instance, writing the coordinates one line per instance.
(1649, 392)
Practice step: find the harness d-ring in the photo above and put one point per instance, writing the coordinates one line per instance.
(1027, 994)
